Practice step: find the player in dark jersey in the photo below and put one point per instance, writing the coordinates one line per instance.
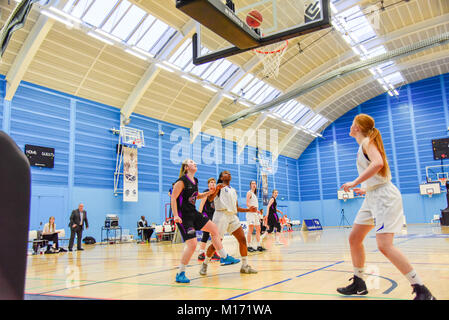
(207, 208)
(188, 219)
(273, 218)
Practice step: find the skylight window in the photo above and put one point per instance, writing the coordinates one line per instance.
(356, 24)
(152, 36)
(116, 16)
(142, 30)
(122, 21)
(98, 12)
(394, 78)
(242, 83)
(356, 30)
(217, 72)
(80, 8)
(316, 122)
(306, 116)
(128, 22)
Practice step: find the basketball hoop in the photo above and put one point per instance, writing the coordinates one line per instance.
(442, 181)
(271, 56)
(131, 137)
(430, 192)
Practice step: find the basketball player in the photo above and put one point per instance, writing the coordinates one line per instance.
(188, 219)
(252, 218)
(382, 204)
(263, 224)
(207, 208)
(273, 218)
(226, 219)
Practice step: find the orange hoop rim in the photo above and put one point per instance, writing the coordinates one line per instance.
(274, 51)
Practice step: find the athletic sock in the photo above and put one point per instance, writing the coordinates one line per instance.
(359, 272)
(222, 253)
(182, 267)
(207, 260)
(244, 261)
(202, 251)
(413, 277)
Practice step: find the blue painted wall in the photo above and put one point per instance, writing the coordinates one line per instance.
(85, 159)
(79, 130)
(408, 123)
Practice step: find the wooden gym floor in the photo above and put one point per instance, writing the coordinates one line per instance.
(309, 265)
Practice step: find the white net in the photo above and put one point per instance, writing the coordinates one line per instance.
(271, 57)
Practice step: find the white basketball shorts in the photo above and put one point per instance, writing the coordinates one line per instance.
(252, 218)
(382, 208)
(226, 222)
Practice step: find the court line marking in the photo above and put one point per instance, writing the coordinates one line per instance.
(279, 282)
(333, 295)
(106, 281)
(394, 285)
(218, 288)
(65, 296)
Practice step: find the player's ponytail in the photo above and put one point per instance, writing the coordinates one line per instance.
(366, 125)
(184, 166)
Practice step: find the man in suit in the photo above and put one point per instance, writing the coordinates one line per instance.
(78, 219)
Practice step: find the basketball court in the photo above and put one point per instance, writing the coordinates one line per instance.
(106, 99)
(307, 266)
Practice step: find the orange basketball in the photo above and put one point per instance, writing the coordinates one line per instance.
(254, 19)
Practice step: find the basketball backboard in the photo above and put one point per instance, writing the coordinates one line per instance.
(345, 195)
(430, 189)
(438, 174)
(222, 30)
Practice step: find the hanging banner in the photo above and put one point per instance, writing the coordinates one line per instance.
(130, 183)
(265, 189)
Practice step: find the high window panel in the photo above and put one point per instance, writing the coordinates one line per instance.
(217, 72)
(98, 12)
(128, 22)
(124, 22)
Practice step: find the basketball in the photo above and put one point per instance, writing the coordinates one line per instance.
(254, 19)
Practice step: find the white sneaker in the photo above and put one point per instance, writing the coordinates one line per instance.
(247, 269)
(203, 270)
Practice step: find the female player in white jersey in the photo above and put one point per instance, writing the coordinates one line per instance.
(226, 219)
(188, 219)
(381, 209)
(252, 218)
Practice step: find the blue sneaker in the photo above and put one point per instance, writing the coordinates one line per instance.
(228, 260)
(181, 277)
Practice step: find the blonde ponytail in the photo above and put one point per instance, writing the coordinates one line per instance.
(366, 125)
(183, 170)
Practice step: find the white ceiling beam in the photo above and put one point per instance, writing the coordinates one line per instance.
(249, 134)
(26, 54)
(138, 91)
(285, 141)
(205, 115)
(152, 72)
(218, 97)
